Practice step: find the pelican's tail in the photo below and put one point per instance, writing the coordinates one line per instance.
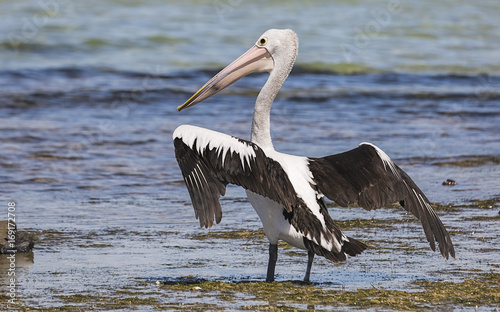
(352, 247)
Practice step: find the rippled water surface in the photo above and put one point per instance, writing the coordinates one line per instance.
(88, 97)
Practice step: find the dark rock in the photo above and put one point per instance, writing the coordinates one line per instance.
(449, 182)
(23, 241)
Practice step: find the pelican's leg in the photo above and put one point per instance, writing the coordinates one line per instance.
(310, 258)
(273, 256)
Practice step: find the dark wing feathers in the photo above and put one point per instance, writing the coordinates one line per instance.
(357, 176)
(361, 176)
(206, 176)
(204, 189)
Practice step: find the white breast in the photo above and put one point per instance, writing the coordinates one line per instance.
(275, 225)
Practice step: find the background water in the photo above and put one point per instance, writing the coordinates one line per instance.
(88, 92)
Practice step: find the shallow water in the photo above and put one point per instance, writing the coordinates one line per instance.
(88, 102)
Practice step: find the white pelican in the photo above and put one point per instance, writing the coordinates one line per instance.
(287, 191)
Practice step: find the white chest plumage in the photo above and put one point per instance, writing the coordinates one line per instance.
(276, 227)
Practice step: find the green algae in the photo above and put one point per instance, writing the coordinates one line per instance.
(484, 203)
(230, 234)
(484, 218)
(164, 39)
(338, 68)
(444, 207)
(371, 223)
(470, 161)
(95, 246)
(482, 290)
(108, 301)
(95, 42)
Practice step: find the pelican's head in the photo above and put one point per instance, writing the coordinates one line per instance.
(274, 51)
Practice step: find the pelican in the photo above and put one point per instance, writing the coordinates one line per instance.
(287, 191)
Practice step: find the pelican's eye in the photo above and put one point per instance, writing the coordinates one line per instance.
(262, 42)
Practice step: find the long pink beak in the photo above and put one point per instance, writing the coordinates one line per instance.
(257, 59)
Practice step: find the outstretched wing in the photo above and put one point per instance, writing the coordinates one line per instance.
(367, 176)
(210, 160)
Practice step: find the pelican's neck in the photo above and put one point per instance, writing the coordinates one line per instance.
(261, 123)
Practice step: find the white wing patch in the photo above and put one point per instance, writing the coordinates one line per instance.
(223, 143)
(386, 160)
